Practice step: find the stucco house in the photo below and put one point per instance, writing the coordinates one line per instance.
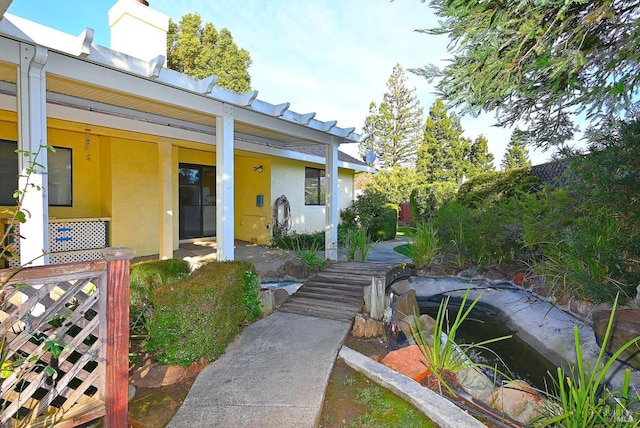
(147, 157)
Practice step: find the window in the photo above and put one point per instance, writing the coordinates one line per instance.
(315, 186)
(59, 175)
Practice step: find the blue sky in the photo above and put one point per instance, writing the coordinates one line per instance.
(332, 57)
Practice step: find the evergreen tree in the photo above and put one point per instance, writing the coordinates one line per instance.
(540, 62)
(442, 147)
(517, 155)
(480, 158)
(396, 183)
(203, 51)
(395, 126)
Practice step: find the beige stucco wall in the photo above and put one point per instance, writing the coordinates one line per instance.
(288, 179)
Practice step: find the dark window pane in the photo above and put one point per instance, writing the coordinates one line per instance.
(314, 186)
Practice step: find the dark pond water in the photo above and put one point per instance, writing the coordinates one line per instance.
(519, 360)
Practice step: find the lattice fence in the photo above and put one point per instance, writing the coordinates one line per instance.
(54, 323)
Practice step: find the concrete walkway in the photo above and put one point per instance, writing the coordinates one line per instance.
(275, 373)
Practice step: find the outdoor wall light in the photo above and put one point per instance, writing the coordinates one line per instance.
(258, 168)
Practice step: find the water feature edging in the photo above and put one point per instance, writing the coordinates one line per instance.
(540, 323)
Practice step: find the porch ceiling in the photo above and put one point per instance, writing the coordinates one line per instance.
(84, 92)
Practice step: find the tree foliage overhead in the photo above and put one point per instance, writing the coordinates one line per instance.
(541, 62)
(516, 155)
(395, 126)
(201, 51)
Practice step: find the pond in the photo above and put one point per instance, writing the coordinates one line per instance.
(512, 356)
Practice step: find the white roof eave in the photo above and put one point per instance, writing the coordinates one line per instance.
(251, 110)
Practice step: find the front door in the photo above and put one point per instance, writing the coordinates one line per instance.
(197, 195)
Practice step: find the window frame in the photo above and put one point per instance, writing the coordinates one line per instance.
(319, 185)
(13, 160)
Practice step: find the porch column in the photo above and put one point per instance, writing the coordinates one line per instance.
(331, 228)
(32, 137)
(165, 187)
(224, 184)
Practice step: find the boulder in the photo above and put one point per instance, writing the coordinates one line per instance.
(626, 327)
(408, 325)
(517, 400)
(407, 304)
(401, 286)
(474, 382)
(364, 326)
(409, 361)
(154, 375)
(297, 268)
(281, 295)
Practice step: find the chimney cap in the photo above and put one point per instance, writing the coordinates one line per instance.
(144, 2)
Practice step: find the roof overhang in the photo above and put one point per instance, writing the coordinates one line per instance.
(91, 74)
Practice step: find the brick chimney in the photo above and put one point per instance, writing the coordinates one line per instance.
(138, 30)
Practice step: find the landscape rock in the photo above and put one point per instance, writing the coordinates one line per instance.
(626, 327)
(494, 274)
(580, 307)
(476, 383)
(365, 326)
(407, 304)
(408, 325)
(517, 400)
(281, 295)
(153, 375)
(297, 268)
(409, 361)
(428, 323)
(470, 272)
(401, 286)
(518, 279)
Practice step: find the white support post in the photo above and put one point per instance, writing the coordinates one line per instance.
(32, 136)
(225, 184)
(165, 187)
(331, 227)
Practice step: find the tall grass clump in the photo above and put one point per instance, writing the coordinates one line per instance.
(582, 399)
(426, 244)
(357, 243)
(442, 354)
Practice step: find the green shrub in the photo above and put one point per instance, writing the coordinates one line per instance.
(492, 187)
(363, 211)
(458, 234)
(427, 198)
(384, 227)
(589, 260)
(252, 303)
(146, 277)
(198, 317)
(300, 241)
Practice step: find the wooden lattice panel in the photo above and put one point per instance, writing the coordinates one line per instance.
(53, 349)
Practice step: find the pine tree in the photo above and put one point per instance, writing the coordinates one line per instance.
(517, 155)
(395, 126)
(442, 146)
(203, 51)
(480, 157)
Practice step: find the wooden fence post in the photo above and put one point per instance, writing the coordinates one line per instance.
(378, 285)
(116, 394)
